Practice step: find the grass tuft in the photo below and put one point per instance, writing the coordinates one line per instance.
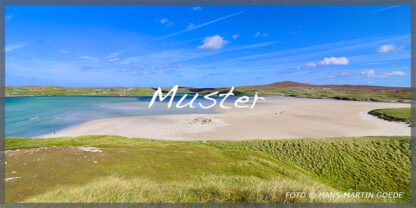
(210, 189)
(393, 114)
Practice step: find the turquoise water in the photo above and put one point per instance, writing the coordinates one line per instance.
(34, 116)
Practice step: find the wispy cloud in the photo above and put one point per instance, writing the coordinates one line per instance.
(388, 48)
(384, 9)
(15, 47)
(113, 57)
(311, 64)
(115, 54)
(89, 58)
(235, 36)
(310, 52)
(86, 68)
(263, 44)
(338, 76)
(112, 60)
(60, 72)
(9, 17)
(196, 8)
(372, 73)
(197, 26)
(143, 70)
(169, 56)
(288, 60)
(190, 26)
(169, 66)
(259, 34)
(63, 51)
(166, 22)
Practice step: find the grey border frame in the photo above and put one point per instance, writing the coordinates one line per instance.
(4, 3)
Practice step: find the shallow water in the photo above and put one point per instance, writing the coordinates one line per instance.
(34, 116)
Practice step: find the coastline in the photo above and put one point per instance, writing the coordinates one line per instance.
(286, 96)
(274, 118)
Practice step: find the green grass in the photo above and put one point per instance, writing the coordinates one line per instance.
(73, 91)
(370, 94)
(141, 170)
(212, 189)
(393, 114)
(364, 163)
(356, 95)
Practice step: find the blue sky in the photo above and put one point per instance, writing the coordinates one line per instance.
(207, 46)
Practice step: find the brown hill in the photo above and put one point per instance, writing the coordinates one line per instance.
(290, 84)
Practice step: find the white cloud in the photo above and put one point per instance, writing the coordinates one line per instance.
(369, 73)
(329, 61)
(196, 8)
(215, 42)
(235, 36)
(335, 61)
(259, 34)
(372, 73)
(15, 47)
(166, 22)
(388, 48)
(311, 64)
(112, 60)
(63, 51)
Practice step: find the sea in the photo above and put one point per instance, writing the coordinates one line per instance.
(35, 116)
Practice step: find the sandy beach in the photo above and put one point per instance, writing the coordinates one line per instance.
(274, 118)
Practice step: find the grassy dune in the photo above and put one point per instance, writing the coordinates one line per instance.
(393, 114)
(214, 189)
(364, 163)
(141, 170)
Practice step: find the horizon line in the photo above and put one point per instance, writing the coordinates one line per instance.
(303, 83)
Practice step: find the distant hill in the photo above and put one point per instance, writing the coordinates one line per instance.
(290, 84)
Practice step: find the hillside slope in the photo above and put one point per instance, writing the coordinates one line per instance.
(142, 170)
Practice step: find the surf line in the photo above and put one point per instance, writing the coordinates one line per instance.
(241, 102)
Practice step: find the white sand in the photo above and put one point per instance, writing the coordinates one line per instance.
(273, 118)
